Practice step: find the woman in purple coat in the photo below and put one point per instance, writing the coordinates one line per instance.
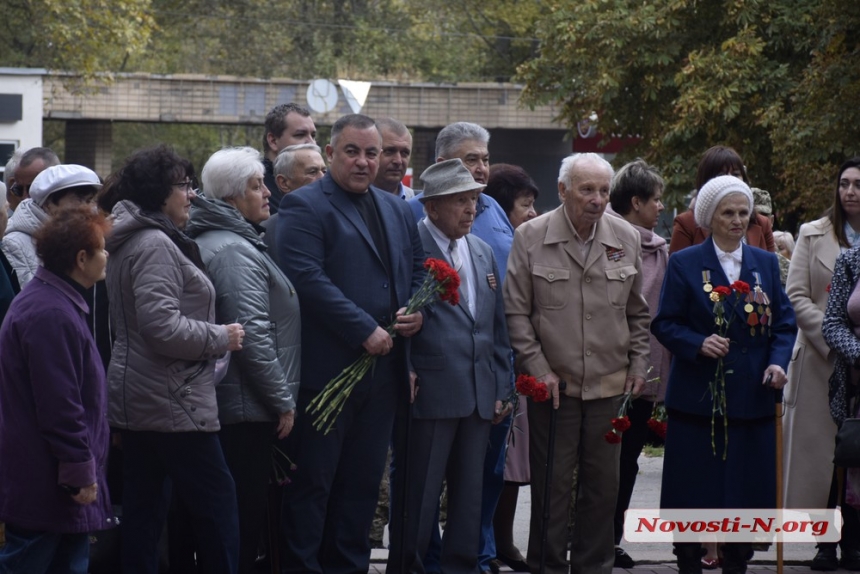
(53, 425)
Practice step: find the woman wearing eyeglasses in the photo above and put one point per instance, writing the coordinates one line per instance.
(161, 388)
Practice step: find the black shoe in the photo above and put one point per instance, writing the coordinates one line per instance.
(494, 567)
(850, 559)
(825, 559)
(622, 559)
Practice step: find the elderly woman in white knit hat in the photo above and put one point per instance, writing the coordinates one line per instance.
(722, 307)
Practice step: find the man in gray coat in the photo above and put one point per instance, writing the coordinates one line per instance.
(461, 380)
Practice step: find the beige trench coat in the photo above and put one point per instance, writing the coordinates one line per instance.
(808, 430)
(586, 321)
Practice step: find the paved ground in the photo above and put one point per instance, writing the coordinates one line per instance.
(653, 557)
(667, 569)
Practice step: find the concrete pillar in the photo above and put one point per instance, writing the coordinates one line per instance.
(423, 152)
(88, 142)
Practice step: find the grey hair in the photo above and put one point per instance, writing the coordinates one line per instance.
(228, 170)
(12, 164)
(45, 154)
(286, 160)
(354, 121)
(455, 134)
(569, 163)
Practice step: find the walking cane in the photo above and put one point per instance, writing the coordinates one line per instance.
(780, 411)
(550, 455)
(404, 480)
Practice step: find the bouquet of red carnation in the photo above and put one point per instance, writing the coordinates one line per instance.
(621, 422)
(717, 387)
(529, 386)
(441, 283)
(657, 422)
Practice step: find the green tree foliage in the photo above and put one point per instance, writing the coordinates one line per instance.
(410, 40)
(686, 74)
(358, 39)
(396, 40)
(85, 36)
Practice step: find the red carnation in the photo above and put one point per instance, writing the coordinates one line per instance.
(526, 384)
(446, 277)
(621, 424)
(828, 288)
(741, 287)
(657, 427)
(723, 290)
(612, 437)
(540, 393)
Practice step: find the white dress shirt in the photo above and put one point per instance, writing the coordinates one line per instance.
(731, 262)
(467, 272)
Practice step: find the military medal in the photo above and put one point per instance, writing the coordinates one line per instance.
(759, 314)
(706, 279)
(614, 253)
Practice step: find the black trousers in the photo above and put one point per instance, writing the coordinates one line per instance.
(328, 507)
(194, 463)
(248, 451)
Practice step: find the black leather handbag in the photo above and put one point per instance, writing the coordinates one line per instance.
(847, 454)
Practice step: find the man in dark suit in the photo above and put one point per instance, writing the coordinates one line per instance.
(354, 256)
(461, 361)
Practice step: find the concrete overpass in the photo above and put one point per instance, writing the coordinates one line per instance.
(530, 138)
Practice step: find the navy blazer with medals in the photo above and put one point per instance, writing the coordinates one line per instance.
(686, 318)
(327, 252)
(463, 362)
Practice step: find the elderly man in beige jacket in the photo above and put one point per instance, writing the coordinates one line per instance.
(575, 313)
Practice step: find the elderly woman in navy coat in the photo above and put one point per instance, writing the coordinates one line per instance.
(739, 473)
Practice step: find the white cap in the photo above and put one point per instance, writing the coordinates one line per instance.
(59, 177)
(711, 194)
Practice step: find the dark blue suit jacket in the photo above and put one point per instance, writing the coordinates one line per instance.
(686, 318)
(327, 252)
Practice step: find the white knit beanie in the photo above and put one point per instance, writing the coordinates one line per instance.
(713, 192)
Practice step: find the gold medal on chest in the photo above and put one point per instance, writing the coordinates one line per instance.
(706, 279)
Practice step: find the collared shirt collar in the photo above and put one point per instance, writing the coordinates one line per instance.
(730, 261)
(584, 244)
(440, 238)
(443, 241)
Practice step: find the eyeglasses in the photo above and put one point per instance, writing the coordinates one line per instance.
(187, 185)
(19, 190)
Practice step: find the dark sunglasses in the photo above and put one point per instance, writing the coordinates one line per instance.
(19, 190)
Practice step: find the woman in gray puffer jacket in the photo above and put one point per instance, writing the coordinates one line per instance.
(161, 388)
(256, 398)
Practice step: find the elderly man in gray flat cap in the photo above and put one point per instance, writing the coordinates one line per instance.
(461, 374)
